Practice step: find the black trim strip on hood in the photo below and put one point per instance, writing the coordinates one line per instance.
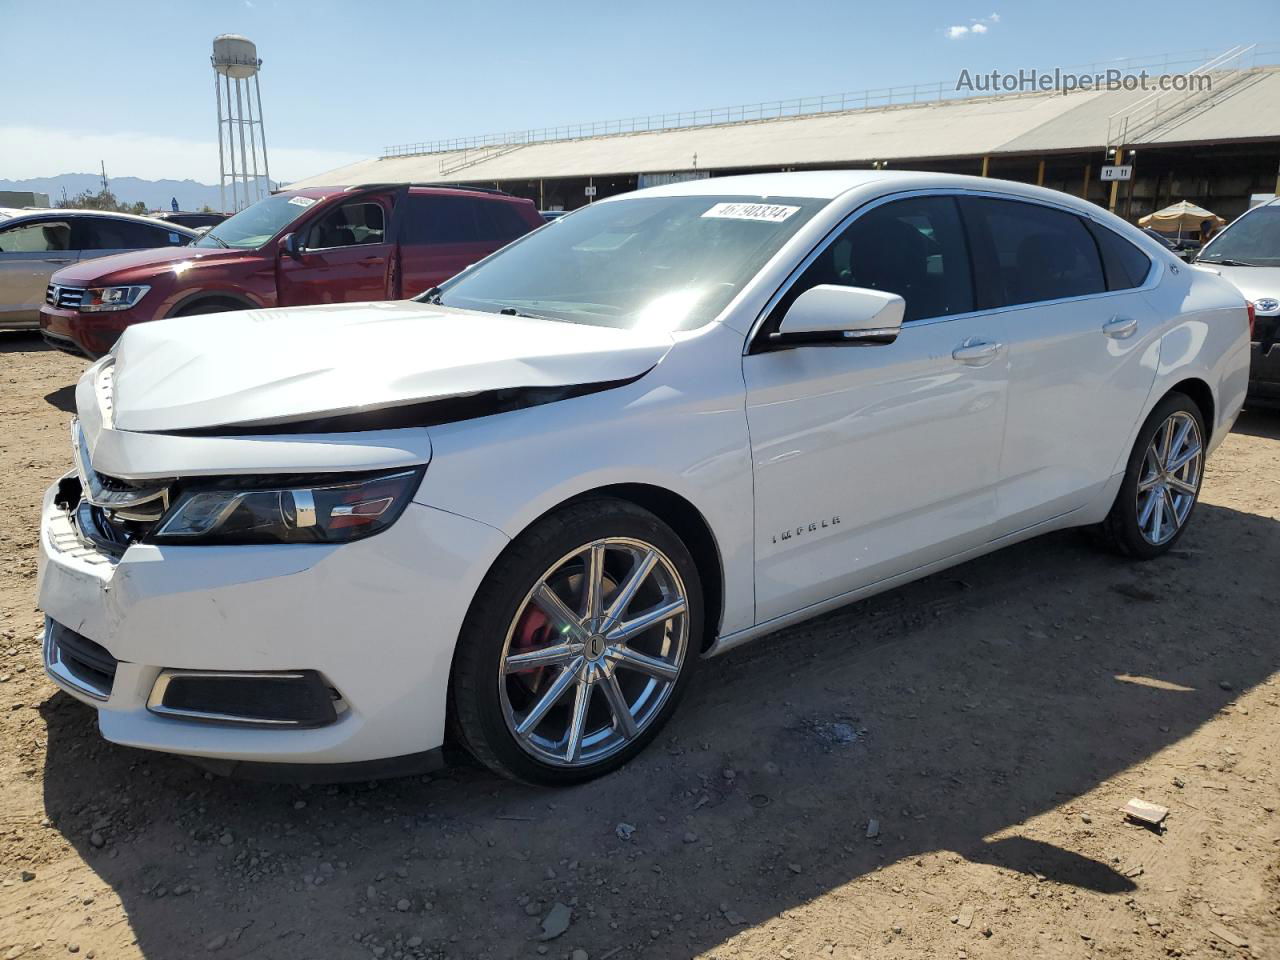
(425, 413)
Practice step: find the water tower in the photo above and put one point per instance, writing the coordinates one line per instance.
(242, 142)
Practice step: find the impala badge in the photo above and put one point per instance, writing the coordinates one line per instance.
(805, 529)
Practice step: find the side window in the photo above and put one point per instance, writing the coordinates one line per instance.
(36, 237)
(1125, 265)
(102, 233)
(437, 219)
(350, 225)
(499, 222)
(1036, 252)
(914, 247)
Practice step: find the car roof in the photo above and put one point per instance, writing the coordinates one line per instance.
(66, 212)
(323, 193)
(830, 184)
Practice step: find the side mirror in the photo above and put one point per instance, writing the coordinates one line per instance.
(291, 245)
(833, 314)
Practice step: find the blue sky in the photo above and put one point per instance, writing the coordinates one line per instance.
(129, 81)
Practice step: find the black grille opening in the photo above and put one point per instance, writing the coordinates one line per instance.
(88, 662)
(299, 699)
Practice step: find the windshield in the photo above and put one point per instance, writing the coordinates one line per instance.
(253, 226)
(664, 263)
(1253, 240)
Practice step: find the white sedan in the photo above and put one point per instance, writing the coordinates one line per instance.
(524, 507)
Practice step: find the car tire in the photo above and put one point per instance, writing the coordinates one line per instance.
(518, 647)
(1154, 504)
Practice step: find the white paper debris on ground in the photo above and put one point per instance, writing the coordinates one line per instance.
(1151, 814)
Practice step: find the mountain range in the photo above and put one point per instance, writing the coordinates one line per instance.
(156, 194)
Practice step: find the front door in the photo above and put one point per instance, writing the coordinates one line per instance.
(344, 255)
(871, 461)
(30, 253)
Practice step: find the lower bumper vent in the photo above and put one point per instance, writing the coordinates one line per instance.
(77, 662)
(293, 699)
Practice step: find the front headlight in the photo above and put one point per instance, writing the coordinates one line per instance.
(104, 299)
(312, 510)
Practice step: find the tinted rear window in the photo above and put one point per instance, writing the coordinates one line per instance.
(1040, 253)
(124, 235)
(1125, 265)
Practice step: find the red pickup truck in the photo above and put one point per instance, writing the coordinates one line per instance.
(321, 245)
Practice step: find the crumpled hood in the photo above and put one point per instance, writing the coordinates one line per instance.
(276, 366)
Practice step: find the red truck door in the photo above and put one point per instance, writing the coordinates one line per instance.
(345, 254)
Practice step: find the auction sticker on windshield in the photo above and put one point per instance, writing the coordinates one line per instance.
(301, 201)
(768, 212)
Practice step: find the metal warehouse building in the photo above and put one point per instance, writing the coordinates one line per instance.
(1213, 139)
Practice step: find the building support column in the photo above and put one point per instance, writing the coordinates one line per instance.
(1084, 191)
(1115, 184)
(1040, 174)
(985, 162)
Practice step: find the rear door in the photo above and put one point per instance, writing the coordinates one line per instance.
(1083, 347)
(345, 254)
(446, 233)
(30, 253)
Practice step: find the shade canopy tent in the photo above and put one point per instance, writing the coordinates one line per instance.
(1181, 216)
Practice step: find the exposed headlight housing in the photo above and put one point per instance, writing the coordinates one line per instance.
(310, 510)
(106, 299)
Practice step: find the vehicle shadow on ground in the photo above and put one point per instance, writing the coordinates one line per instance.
(949, 711)
(22, 341)
(1259, 420)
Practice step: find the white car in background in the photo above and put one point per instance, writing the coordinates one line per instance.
(1248, 254)
(525, 506)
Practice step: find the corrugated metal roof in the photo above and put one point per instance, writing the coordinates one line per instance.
(1019, 124)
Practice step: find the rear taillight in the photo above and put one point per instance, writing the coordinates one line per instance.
(1253, 316)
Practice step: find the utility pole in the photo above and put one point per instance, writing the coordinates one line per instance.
(105, 185)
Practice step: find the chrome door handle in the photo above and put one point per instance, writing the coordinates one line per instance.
(975, 352)
(62, 260)
(1120, 328)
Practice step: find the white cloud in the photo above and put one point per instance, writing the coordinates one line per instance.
(40, 152)
(976, 25)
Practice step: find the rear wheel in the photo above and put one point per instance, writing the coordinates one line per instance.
(1161, 482)
(578, 645)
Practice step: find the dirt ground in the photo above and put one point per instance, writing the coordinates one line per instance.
(935, 773)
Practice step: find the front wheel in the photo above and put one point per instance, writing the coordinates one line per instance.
(1162, 481)
(578, 645)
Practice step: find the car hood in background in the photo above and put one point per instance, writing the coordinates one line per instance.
(118, 266)
(1256, 283)
(271, 367)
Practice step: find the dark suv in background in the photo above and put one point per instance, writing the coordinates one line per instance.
(319, 245)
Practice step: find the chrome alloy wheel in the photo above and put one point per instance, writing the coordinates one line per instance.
(1170, 478)
(594, 651)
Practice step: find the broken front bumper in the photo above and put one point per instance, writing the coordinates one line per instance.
(377, 619)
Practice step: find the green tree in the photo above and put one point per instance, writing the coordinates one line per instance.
(101, 200)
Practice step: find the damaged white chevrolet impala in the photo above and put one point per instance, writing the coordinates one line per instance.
(517, 512)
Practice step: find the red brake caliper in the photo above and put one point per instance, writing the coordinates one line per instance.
(531, 633)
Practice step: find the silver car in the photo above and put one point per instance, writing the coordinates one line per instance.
(35, 243)
(1248, 254)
